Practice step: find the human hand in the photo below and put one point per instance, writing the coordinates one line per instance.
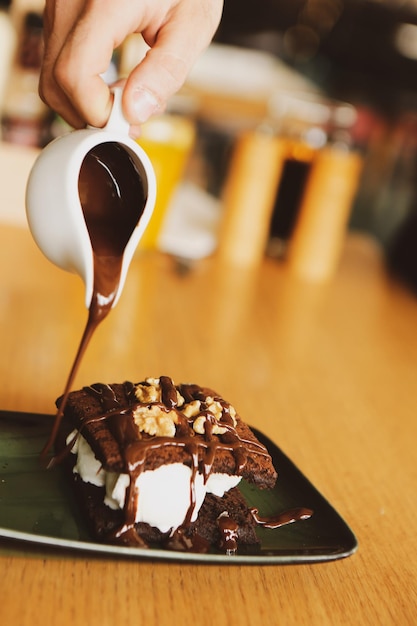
(81, 35)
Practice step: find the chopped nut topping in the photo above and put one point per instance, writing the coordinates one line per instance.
(214, 407)
(155, 421)
(199, 426)
(192, 409)
(232, 413)
(150, 391)
(152, 419)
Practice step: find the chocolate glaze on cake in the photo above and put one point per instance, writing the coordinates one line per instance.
(212, 439)
(104, 414)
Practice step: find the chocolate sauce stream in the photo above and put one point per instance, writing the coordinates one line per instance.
(112, 199)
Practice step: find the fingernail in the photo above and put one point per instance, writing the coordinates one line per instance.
(144, 104)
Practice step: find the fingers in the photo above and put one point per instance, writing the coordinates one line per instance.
(71, 78)
(173, 52)
(80, 37)
(82, 86)
(151, 83)
(80, 40)
(59, 19)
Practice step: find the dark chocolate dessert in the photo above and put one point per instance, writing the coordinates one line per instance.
(159, 463)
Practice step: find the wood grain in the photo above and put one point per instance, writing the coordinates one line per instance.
(327, 371)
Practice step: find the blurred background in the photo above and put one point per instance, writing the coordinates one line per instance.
(360, 51)
(317, 73)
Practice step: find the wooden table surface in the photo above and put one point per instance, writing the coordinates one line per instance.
(328, 372)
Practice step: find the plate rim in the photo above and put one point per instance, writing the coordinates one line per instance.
(159, 554)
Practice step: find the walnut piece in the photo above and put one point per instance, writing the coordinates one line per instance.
(199, 423)
(192, 409)
(216, 409)
(155, 421)
(150, 391)
(151, 417)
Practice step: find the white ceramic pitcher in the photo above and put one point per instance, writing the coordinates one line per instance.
(53, 205)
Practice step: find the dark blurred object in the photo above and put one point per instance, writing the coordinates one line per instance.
(363, 45)
(287, 202)
(7, 45)
(388, 189)
(30, 50)
(349, 46)
(402, 252)
(307, 124)
(242, 18)
(25, 118)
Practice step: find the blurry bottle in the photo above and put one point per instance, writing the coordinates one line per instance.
(301, 121)
(248, 197)
(7, 46)
(25, 118)
(327, 201)
(291, 185)
(265, 181)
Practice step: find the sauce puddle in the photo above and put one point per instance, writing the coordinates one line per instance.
(282, 519)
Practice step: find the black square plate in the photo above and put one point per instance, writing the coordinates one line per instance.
(36, 506)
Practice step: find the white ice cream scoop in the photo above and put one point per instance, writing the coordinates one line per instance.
(53, 204)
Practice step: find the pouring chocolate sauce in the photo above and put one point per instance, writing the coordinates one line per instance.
(113, 198)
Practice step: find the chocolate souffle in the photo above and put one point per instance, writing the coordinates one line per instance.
(156, 463)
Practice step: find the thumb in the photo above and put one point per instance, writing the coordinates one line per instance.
(152, 82)
(166, 65)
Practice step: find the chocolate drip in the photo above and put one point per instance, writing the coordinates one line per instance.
(135, 447)
(192, 448)
(118, 409)
(195, 392)
(168, 392)
(182, 542)
(229, 534)
(112, 199)
(206, 447)
(119, 417)
(287, 517)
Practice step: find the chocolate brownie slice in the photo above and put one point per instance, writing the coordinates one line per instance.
(131, 433)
